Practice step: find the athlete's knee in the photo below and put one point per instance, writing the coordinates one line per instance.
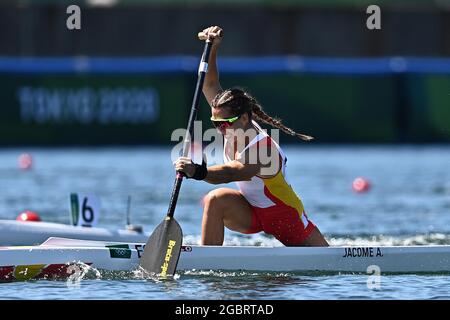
(216, 199)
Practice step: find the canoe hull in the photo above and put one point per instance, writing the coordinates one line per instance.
(23, 263)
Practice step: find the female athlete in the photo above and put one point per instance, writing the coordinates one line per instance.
(264, 201)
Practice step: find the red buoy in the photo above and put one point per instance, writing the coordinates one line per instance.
(25, 161)
(27, 216)
(361, 185)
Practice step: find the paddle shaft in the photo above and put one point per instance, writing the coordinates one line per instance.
(194, 110)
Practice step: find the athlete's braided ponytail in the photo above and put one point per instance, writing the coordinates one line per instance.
(241, 102)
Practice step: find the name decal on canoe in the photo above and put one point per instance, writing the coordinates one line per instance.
(362, 252)
(168, 257)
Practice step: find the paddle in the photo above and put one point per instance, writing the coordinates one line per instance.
(163, 248)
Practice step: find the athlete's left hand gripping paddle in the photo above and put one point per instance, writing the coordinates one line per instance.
(163, 248)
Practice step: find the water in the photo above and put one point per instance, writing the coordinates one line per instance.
(409, 203)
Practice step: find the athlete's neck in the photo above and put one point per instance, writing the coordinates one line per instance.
(248, 133)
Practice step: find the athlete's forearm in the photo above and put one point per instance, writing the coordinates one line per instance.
(211, 86)
(212, 76)
(220, 174)
(228, 173)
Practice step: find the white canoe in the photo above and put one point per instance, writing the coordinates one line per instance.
(18, 233)
(54, 258)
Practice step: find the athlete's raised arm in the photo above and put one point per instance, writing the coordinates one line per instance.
(211, 86)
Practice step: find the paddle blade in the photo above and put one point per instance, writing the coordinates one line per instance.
(163, 248)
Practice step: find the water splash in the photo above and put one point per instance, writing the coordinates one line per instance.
(80, 271)
(219, 273)
(390, 240)
(141, 274)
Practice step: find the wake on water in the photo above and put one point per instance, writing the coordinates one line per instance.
(336, 240)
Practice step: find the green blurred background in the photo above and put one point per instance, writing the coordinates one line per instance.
(127, 77)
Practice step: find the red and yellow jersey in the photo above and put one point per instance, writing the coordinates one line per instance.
(276, 208)
(267, 192)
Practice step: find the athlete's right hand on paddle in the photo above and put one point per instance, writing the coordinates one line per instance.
(191, 169)
(214, 33)
(185, 165)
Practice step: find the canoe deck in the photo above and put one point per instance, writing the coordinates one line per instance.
(16, 233)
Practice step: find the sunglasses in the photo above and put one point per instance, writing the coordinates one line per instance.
(223, 124)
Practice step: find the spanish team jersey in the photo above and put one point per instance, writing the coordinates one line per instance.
(277, 208)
